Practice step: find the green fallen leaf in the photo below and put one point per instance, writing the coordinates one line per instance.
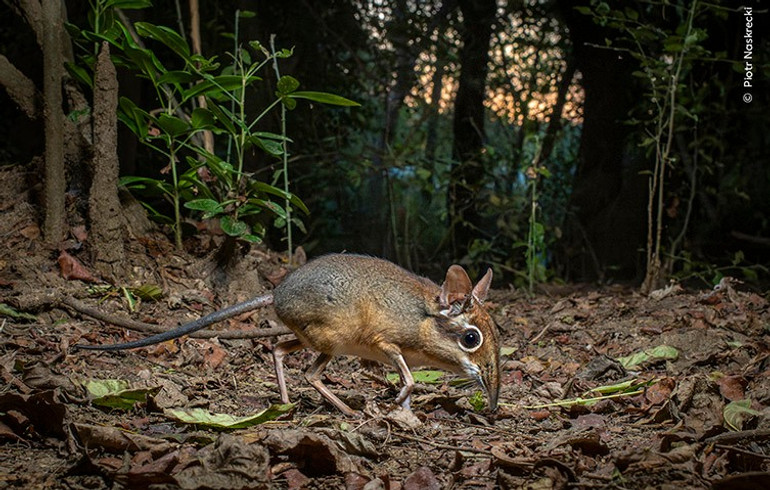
(659, 353)
(427, 377)
(477, 401)
(201, 416)
(507, 351)
(6, 310)
(116, 393)
(736, 413)
(623, 387)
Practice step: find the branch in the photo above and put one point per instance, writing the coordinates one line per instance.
(19, 88)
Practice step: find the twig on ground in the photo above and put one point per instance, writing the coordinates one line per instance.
(136, 326)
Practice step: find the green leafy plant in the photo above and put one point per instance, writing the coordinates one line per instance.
(535, 251)
(200, 179)
(666, 57)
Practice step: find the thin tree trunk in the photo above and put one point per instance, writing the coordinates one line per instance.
(468, 174)
(55, 184)
(431, 137)
(195, 38)
(555, 121)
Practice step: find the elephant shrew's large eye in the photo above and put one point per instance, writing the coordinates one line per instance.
(470, 339)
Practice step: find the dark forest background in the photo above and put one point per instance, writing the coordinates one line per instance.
(522, 135)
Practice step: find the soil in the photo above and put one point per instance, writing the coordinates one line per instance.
(693, 415)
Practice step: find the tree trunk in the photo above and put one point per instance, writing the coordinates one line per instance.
(55, 184)
(431, 136)
(107, 224)
(555, 121)
(605, 224)
(467, 175)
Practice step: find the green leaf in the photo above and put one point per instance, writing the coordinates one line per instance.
(272, 136)
(284, 53)
(133, 117)
(507, 351)
(622, 387)
(736, 413)
(233, 227)
(270, 189)
(172, 125)
(224, 117)
(245, 56)
(299, 224)
(256, 46)
(274, 207)
(151, 292)
(202, 119)
(659, 353)
(128, 4)
(146, 183)
(208, 205)
(430, 377)
(324, 98)
(246, 14)
(477, 401)
(6, 310)
(146, 62)
(201, 416)
(116, 393)
(177, 77)
(165, 35)
(270, 147)
(79, 73)
(287, 84)
(289, 103)
(216, 85)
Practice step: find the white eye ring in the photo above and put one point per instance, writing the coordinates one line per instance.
(470, 339)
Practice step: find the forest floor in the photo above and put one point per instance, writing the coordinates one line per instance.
(601, 388)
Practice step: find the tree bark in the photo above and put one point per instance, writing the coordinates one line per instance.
(467, 174)
(107, 225)
(55, 184)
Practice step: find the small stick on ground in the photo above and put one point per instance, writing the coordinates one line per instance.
(136, 326)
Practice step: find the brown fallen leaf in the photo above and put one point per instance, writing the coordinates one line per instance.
(6, 433)
(732, 387)
(227, 463)
(659, 392)
(354, 481)
(317, 454)
(41, 412)
(72, 268)
(422, 479)
(31, 232)
(406, 419)
(214, 355)
(113, 440)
